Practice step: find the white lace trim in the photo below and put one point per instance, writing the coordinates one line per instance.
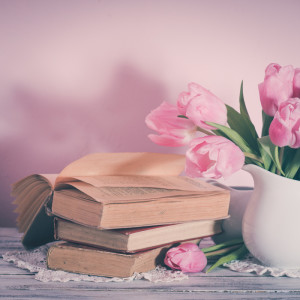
(249, 264)
(35, 262)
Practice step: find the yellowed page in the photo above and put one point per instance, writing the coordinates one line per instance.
(115, 189)
(129, 194)
(162, 182)
(51, 178)
(127, 163)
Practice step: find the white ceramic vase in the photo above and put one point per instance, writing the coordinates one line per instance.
(271, 221)
(232, 226)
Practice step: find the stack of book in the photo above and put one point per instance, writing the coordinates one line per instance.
(117, 213)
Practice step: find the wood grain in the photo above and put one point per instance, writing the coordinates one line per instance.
(222, 283)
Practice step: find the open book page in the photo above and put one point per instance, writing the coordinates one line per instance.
(115, 189)
(134, 163)
(51, 178)
(123, 194)
(162, 182)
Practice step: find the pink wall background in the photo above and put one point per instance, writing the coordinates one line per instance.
(80, 76)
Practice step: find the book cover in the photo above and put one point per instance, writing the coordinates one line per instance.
(131, 240)
(94, 261)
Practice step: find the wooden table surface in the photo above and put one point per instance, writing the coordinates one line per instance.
(222, 283)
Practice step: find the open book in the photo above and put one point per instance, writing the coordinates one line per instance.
(35, 191)
(111, 202)
(117, 190)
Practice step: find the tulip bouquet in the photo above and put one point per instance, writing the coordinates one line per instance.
(230, 139)
(221, 139)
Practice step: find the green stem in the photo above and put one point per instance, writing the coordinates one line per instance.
(222, 245)
(198, 128)
(239, 253)
(204, 131)
(223, 251)
(278, 157)
(281, 152)
(253, 156)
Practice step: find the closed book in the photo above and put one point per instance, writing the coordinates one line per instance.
(94, 261)
(135, 239)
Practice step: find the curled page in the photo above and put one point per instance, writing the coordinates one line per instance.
(127, 163)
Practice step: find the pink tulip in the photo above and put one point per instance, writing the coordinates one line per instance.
(285, 127)
(186, 257)
(276, 87)
(213, 157)
(174, 131)
(201, 106)
(296, 83)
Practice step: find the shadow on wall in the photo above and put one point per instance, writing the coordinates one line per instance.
(50, 133)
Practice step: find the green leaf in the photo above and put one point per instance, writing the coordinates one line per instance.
(289, 154)
(182, 116)
(222, 245)
(271, 150)
(266, 158)
(293, 164)
(243, 108)
(266, 119)
(222, 251)
(237, 254)
(242, 125)
(233, 136)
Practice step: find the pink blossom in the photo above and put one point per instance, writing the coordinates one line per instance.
(173, 131)
(276, 87)
(213, 157)
(296, 83)
(201, 106)
(186, 257)
(285, 127)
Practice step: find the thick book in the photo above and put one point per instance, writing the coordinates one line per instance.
(94, 261)
(111, 202)
(34, 192)
(135, 239)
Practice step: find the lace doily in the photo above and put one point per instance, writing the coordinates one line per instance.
(251, 265)
(35, 262)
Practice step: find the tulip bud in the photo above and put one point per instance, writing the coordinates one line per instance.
(186, 257)
(213, 157)
(201, 106)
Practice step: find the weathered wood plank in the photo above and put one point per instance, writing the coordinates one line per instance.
(10, 240)
(140, 294)
(222, 283)
(193, 284)
(9, 232)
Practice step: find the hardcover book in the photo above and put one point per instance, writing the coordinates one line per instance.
(94, 261)
(135, 239)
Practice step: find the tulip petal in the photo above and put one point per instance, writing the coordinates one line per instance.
(276, 87)
(285, 127)
(200, 105)
(173, 131)
(213, 157)
(186, 257)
